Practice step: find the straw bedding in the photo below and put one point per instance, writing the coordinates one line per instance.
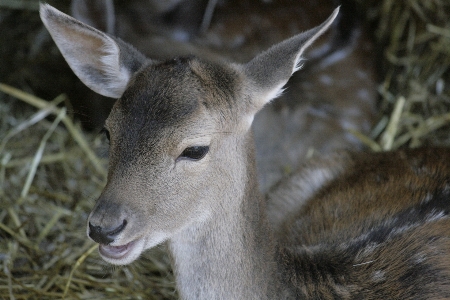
(51, 171)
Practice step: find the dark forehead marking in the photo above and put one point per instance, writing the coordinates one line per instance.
(168, 92)
(162, 94)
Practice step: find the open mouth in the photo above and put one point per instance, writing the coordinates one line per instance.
(116, 252)
(127, 253)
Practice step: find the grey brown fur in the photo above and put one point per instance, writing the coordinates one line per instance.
(350, 226)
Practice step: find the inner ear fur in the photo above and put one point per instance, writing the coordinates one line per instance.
(101, 62)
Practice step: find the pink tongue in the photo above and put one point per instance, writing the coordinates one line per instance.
(114, 251)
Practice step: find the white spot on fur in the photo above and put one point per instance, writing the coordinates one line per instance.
(369, 249)
(378, 276)
(364, 263)
(435, 215)
(427, 198)
(402, 229)
(419, 258)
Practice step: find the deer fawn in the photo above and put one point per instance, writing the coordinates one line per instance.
(182, 170)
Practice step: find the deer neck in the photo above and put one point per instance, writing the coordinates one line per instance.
(230, 255)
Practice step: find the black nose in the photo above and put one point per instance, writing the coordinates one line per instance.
(105, 236)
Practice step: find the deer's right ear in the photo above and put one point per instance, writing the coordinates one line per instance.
(102, 63)
(268, 72)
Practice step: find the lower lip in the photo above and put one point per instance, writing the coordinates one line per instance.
(116, 252)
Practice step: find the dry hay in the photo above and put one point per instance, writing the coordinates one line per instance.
(414, 38)
(51, 172)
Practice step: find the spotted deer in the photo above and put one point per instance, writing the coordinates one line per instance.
(182, 171)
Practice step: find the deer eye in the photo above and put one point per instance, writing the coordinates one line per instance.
(195, 153)
(105, 132)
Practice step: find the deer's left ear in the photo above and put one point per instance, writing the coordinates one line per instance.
(102, 63)
(268, 72)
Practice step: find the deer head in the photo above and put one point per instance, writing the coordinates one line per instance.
(179, 133)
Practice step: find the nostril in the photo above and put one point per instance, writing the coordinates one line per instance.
(97, 234)
(105, 235)
(116, 231)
